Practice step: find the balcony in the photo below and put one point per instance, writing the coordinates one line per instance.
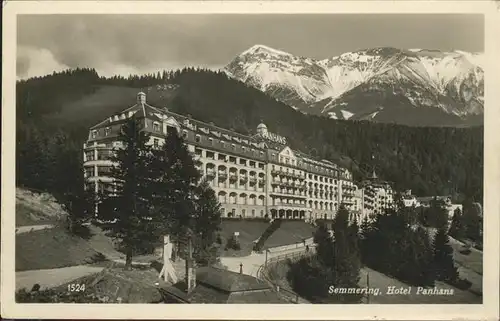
(289, 204)
(210, 173)
(222, 175)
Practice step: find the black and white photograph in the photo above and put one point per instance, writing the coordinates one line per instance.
(216, 157)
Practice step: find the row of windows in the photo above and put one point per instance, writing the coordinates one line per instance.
(243, 213)
(226, 158)
(224, 144)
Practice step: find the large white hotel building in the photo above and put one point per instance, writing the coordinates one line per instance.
(252, 176)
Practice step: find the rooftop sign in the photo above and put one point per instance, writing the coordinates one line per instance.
(274, 138)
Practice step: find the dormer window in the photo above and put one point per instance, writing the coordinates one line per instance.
(107, 131)
(156, 127)
(198, 138)
(211, 140)
(233, 146)
(184, 134)
(94, 133)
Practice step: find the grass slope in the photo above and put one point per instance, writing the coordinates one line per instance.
(248, 230)
(290, 232)
(52, 248)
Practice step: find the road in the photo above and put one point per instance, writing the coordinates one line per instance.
(52, 277)
(31, 228)
(253, 262)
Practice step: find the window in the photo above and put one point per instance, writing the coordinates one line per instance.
(223, 144)
(171, 130)
(253, 213)
(89, 172)
(156, 142)
(223, 211)
(94, 133)
(107, 131)
(244, 148)
(233, 211)
(262, 213)
(156, 127)
(233, 146)
(89, 156)
(184, 134)
(243, 212)
(197, 138)
(211, 141)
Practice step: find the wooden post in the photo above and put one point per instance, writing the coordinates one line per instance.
(368, 287)
(190, 272)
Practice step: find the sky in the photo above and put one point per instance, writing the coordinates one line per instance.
(137, 44)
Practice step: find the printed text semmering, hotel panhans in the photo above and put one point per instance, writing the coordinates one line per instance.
(253, 176)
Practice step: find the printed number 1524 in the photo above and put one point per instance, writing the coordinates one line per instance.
(76, 287)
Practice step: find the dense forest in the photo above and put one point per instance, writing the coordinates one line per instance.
(54, 113)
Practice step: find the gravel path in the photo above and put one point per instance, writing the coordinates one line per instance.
(53, 277)
(31, 228)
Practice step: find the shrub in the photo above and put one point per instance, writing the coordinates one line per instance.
(52, 296)
(218, 240)
(465, 251)
(462, 284)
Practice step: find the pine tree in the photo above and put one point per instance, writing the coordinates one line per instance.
(419, 266)
(457, 229)
(444, 266)
(207, 221)
(175, 187)
(472, 220)
(347, 262)
(324, 245)
(129, 207)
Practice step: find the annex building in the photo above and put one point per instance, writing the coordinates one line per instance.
(253, 176)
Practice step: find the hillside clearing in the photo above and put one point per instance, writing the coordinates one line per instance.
(53, 248)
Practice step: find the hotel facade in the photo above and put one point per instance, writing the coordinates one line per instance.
(253, 176)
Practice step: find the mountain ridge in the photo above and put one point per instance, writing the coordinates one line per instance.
(451, 82)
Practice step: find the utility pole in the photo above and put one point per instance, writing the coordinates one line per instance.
(368, 287)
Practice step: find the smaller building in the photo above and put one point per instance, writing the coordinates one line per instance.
(410, 201)
(426, 200)
(216, 286)
(377, 196)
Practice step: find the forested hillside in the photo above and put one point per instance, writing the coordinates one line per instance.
(54, 113)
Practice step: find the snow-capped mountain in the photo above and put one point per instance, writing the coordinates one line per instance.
(381, 84)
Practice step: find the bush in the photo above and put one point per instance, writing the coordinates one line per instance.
(465, 251)
(52, 296)
(462, 284)
(218, 240)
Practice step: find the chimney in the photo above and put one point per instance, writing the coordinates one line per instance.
(141, 98)
(190, 276)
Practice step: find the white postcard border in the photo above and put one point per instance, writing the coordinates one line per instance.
(487, 311)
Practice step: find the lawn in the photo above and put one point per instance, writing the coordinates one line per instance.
(26, 216)
(33, 208)
(52, 248)
(249, 231)
(290, 232)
